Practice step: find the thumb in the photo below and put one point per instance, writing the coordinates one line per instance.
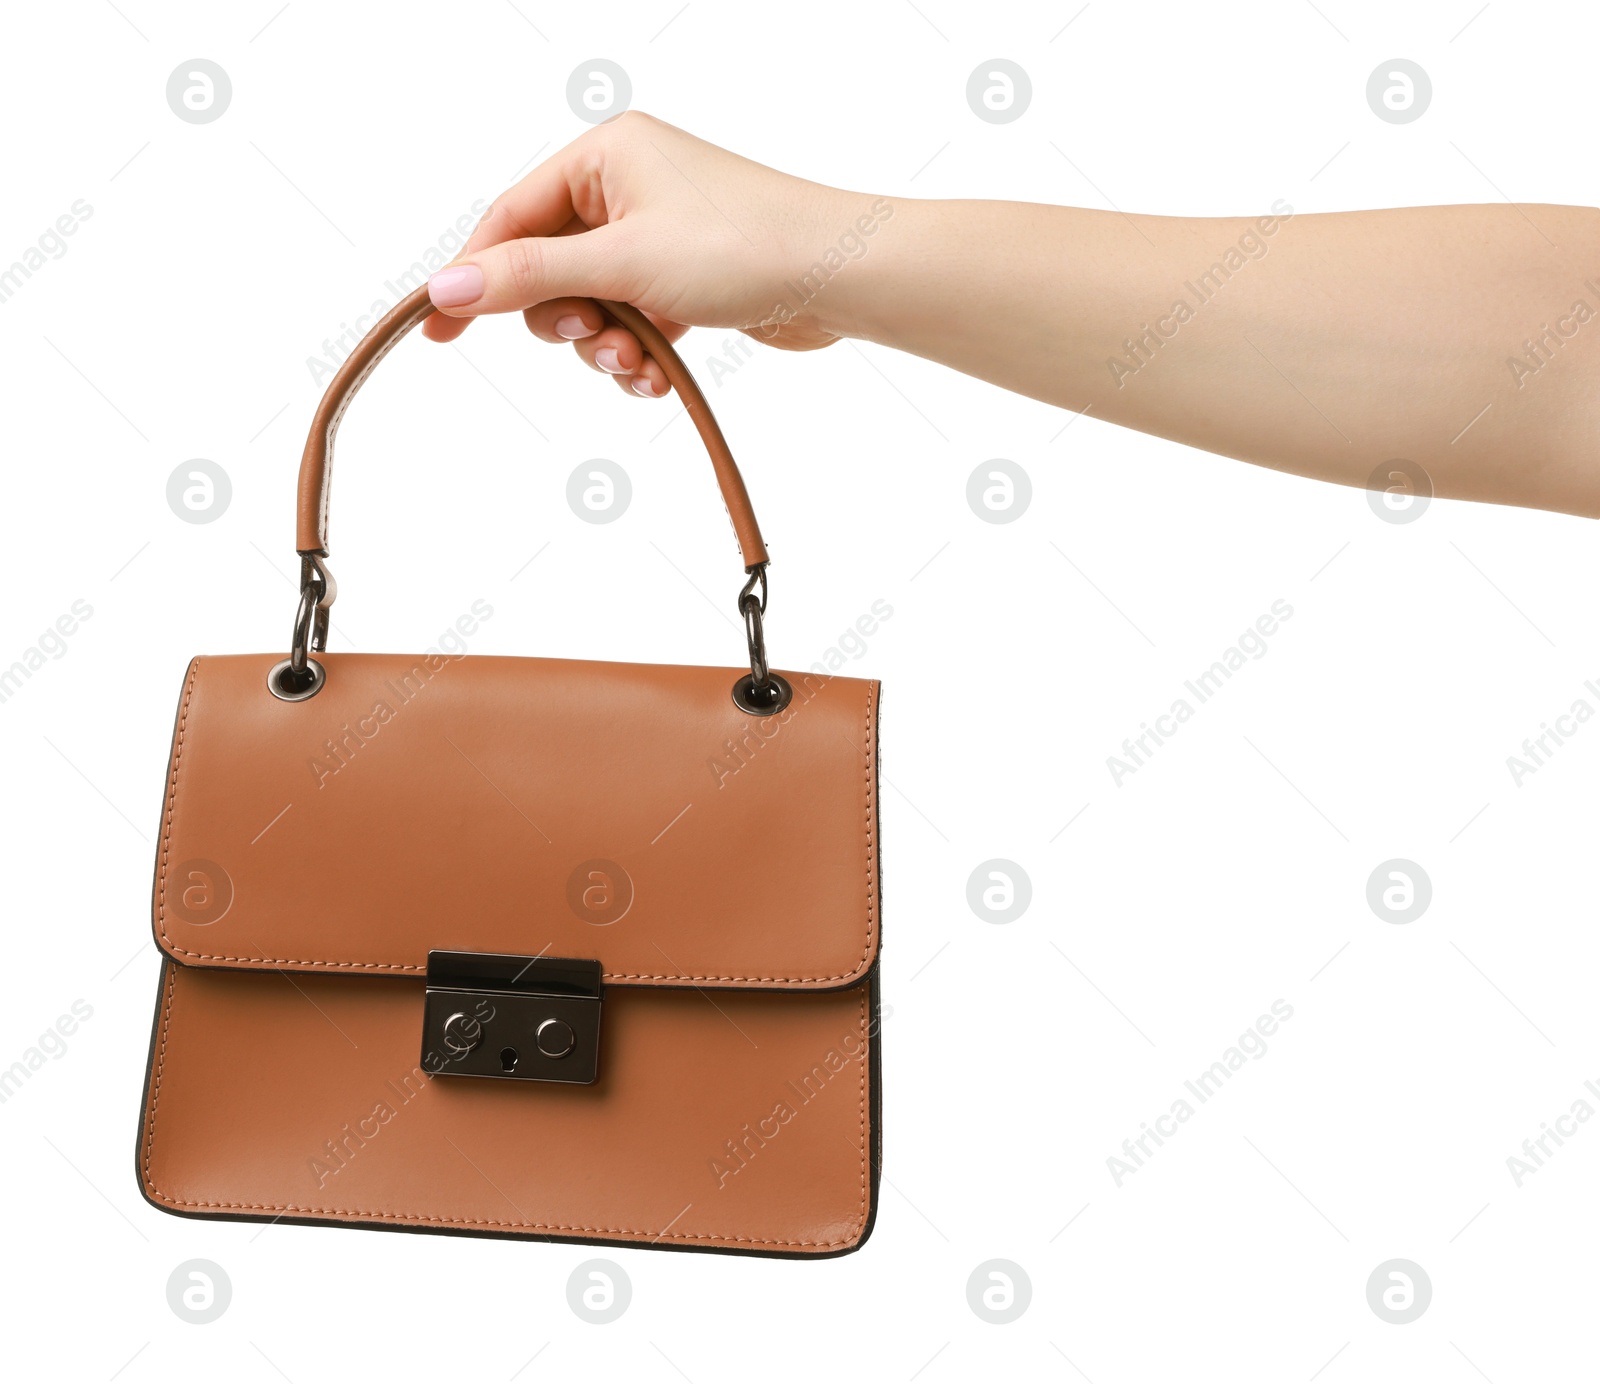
(517, 274)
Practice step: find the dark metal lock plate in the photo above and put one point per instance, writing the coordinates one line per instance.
(517, 1018)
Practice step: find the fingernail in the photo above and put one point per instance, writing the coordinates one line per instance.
(456, 287)
(644, 387)
(572, 328)
(606, 359)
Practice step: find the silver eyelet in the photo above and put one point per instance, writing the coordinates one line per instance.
(275, 680)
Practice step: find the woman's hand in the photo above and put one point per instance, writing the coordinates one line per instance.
(1327, 344)
(638, 211)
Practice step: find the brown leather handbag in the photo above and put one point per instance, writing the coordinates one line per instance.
(521, 947)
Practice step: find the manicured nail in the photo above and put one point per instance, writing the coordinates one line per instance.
(644, 387)
(573, 328)
(456, 287)
(606, 359)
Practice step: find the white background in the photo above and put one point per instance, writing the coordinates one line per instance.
(1229, 872)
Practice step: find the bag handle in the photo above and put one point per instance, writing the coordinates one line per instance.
(299, 676)
(316, 465)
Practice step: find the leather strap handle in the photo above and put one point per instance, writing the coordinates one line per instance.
(316, 466)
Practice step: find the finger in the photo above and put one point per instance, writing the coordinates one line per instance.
(519, 274)
(438, 327)
(649, 381)
(545, 201)
(615, 351)
(564, 319)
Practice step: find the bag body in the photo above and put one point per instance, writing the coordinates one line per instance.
(520, 947)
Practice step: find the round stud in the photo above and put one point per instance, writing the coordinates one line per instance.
(462, 1034)
(555, 1038)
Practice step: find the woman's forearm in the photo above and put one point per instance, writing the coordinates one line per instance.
(1463, 339)
(1460, 340)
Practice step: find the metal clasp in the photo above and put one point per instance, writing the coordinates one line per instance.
(518, 1018)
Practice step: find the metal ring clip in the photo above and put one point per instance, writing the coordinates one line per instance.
(763, 693)
(300, 676)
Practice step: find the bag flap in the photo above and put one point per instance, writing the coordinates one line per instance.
(628, 813)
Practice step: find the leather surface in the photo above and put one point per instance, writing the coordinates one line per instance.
(511, 805)
(316, 465)
(721, 868)
(741, 1122)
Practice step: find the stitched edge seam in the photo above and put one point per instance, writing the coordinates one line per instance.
(338, 417)
(868, 735)
(154, 1104)
(172, 804)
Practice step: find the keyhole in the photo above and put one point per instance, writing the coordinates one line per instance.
(508, 1059)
